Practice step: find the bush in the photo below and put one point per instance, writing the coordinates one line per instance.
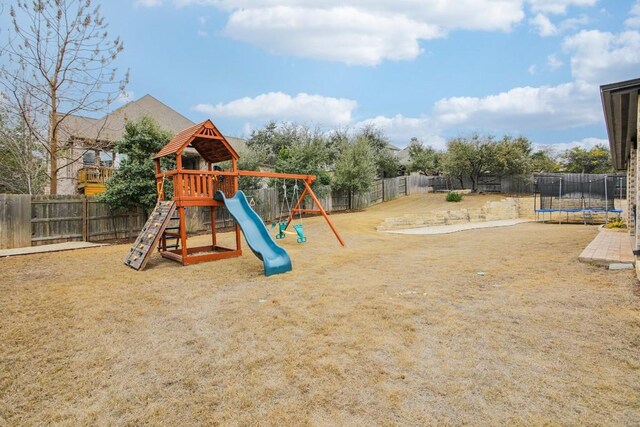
(454, 196)
(616, 223)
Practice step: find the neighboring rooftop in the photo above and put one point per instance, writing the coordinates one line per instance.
(110, 128)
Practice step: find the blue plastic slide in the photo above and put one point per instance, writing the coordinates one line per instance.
(276, 260)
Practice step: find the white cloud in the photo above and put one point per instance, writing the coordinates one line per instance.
(543, 25)
(283, 107)
(148, 3)
(342, 34)
(557, 6)
(553, 62)
(602, 57)
(634, 16)
(573, 23)
(400, 129)
(585, 143)
(461, 14)
(524, 108)
(532, 69)
(362, 32)
(545, 28)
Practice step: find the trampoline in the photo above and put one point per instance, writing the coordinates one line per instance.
(588, 195)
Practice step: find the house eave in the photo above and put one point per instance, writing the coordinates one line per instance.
(620, 107)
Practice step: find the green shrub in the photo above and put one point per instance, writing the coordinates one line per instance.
(454, 196)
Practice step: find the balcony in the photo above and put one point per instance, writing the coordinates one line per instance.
(92, 180)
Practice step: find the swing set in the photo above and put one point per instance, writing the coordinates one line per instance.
(281, 224)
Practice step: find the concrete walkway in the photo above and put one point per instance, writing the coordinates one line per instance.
(56, 247)
(609, 247)
(453, 228)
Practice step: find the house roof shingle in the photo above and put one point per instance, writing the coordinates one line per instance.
(110, 128)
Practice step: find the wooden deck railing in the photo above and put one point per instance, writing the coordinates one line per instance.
(94, 175)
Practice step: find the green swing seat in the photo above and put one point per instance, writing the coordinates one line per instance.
(282, 226)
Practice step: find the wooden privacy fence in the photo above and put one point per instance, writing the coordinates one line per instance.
(56, 219)
(35, 220)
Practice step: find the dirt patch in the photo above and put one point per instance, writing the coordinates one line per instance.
(390, 330)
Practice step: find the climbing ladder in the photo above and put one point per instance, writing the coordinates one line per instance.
(151, 233)
(171, 231)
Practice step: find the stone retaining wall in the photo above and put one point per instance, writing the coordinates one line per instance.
(508, 208)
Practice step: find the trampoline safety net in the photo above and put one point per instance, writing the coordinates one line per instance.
(574, 193)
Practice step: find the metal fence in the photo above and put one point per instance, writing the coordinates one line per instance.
(619, 181)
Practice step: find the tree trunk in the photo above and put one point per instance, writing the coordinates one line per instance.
(53, 146)
(474, 184)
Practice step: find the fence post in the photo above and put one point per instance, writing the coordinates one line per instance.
(130, 220)
(85, 219)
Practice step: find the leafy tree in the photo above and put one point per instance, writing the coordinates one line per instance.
(273, 138)
(335, 144)
(387, 164)
(308, 155)
(512, 156)
(355, 169)
(134, 184)
(424, 160)
(579, 160)
(59, 61)
(469, 157)
(543, 161)
(250, 160)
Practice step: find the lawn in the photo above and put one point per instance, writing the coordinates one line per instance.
(483, 327)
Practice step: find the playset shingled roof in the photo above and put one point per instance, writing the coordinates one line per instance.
(206, 139)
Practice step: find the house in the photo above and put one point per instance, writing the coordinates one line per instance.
(620, 105)
(91, 157)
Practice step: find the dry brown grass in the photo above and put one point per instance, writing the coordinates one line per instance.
(391, 330)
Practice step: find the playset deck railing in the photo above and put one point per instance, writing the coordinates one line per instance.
(194, 185)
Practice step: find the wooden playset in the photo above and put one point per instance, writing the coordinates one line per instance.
(212, 188)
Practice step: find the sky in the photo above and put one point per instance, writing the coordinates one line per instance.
(430, 69)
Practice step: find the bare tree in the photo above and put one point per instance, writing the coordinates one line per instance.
(61, 59)
(22, 160)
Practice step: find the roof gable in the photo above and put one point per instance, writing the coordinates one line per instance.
(205, 138)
